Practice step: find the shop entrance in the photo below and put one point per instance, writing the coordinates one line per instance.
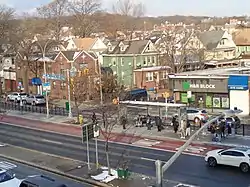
(200, 100)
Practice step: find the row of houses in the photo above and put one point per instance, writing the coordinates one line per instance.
(137, 63)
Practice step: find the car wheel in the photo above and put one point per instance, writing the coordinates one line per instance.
(212, 162)
(244, 167)
(197, 120)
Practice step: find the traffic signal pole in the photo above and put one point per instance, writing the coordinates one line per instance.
(87, 141)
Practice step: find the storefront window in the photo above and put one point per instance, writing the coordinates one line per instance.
(184, 98)
(220, 101)
(209, 103)
(216, 102)
(225, 102)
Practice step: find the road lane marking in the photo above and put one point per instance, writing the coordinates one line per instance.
(148, 159)
(114, 142)
(51, 141)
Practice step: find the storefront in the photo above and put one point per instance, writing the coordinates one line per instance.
(201, 91)
(239, 92)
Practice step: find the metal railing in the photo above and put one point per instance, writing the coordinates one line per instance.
(54, 110)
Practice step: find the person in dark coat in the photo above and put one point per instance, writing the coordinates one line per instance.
(175, 124)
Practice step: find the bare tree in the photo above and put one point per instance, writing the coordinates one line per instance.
(53, 13)
(83, 12)
(129, 8)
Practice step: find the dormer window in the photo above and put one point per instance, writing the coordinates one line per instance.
(110, 48)
(122, 48)
(222, 42)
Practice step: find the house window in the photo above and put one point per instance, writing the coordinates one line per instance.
(122, 48)
(145, 61)
(149, 60)
(114, 63)
(122, 62)
(153, 59)
(164, 75)
(222, 42)
(149, 76)
(110, 48)
(63, 85)
(122, 75)
(12, 61)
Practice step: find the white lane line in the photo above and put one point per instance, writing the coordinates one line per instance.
(148, 159)
(50, 141)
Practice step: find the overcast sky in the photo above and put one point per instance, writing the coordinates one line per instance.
(164, 7)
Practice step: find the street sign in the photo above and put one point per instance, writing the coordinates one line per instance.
(87, 131)
(46, 86)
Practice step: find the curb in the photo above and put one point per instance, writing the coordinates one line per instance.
(57, 172)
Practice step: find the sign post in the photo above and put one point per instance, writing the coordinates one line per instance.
(90, 131)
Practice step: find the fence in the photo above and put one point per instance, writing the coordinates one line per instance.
(54, 110)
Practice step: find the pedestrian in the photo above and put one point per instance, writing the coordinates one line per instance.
(183, 128)
(149, 122)
(188, 129)
(175, 123)
(158, 123)
(93, 118)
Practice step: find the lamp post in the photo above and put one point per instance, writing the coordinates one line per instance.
(43, 50)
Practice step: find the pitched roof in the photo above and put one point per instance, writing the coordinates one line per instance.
(242, 37)
(70, 55)
(133, 47)
(210, 39)
(84, 43)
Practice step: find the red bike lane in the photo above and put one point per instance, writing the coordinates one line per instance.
(140, 141)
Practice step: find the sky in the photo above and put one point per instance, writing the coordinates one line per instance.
(163, 7)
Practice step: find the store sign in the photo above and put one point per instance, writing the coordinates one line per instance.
(236, 82)
(203, 86)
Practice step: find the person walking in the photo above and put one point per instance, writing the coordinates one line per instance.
(175, 124)
(183, 128)
(188, 129)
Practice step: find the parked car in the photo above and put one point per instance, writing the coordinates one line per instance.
(7, 178)
(16, 96)
(35, 100)
(40, 181)
(197, 115)
(236, 157)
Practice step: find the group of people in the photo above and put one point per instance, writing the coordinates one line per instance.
(221, 129)
(184, 127)
(142, 121)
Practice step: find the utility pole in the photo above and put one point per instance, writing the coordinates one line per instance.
(161, 169)
(69, 93)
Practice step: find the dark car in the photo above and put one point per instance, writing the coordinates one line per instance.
(40, 181)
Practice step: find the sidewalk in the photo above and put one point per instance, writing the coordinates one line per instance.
(73, 167)
(117, 131)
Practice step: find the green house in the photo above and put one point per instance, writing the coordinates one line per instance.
(125, 56)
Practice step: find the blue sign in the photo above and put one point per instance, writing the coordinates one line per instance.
(54, 77)
(237, 82)
(36, 81)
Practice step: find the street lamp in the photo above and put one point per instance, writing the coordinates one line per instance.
(43, 50)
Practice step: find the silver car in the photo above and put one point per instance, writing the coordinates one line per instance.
(197, 115)
(17, 96)
(35, 100)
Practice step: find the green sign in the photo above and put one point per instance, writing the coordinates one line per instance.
(186, 85)
(184, 98)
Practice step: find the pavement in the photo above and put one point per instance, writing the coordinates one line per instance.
(22, 171)
(188, 169)
(116, 133)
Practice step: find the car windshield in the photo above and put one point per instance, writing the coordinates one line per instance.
(203, 111)
(221, 151)
(23, 94)
(5, 177)
(39, 97)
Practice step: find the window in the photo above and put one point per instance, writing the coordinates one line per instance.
(122, 75)
(5, 177)
(63, 85)
(227, 153)
(145, 61)
(222, 42)
(12, 61)
(110, 48)
(164, 75)
(54, 84)
(149, 76)
(114, 63)
(149, 60)
(122, 61)
(153, 60)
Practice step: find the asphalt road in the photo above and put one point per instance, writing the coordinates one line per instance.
(187, 169)
(22, 171)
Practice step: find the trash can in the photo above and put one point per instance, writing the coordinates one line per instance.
(126, 174)
(120, 173)
(67, 105)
